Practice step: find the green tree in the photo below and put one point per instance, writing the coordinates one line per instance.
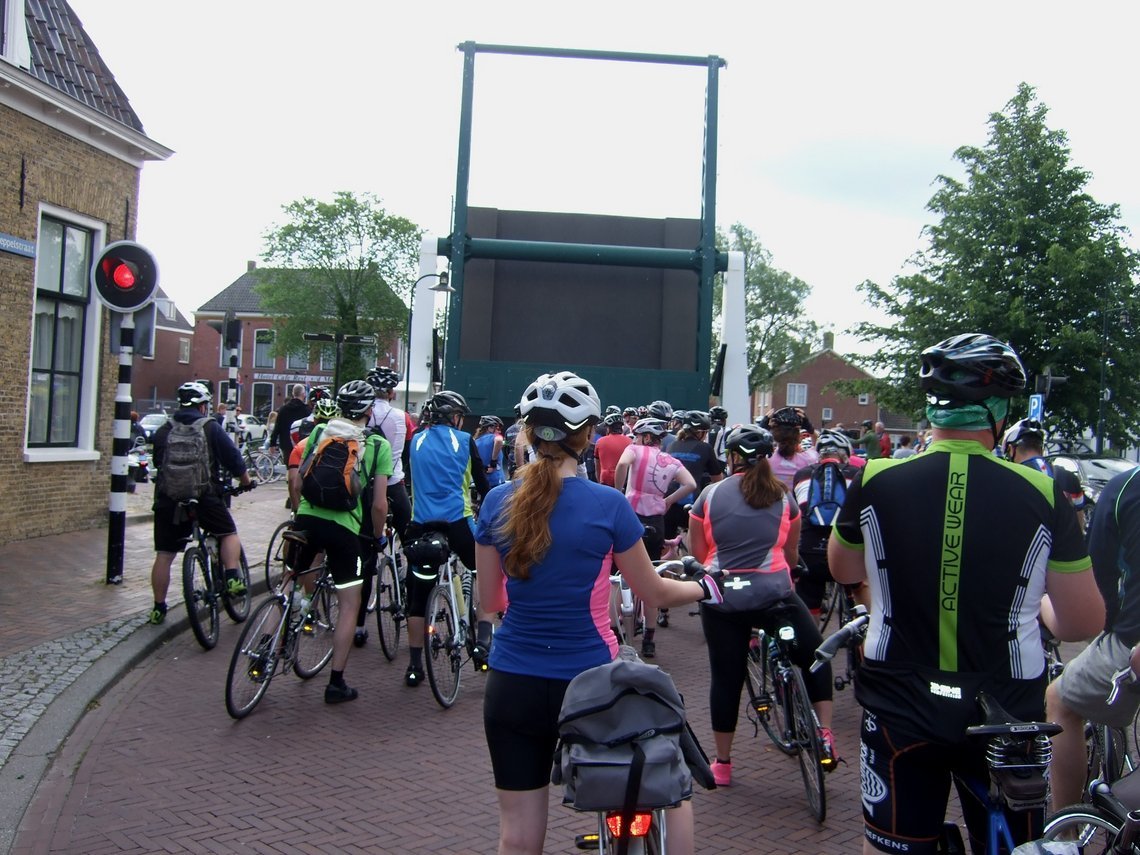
(780, 335)
(1020, 251)
(345, 266)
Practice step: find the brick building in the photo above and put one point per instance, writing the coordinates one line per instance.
(72, 151)
(162, 360)
(264, 379)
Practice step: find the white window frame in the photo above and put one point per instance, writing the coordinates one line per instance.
(799, 399)
(253, 395)
(826, 414)
(272, 362)
(327, 358)
(293, 358)
(864, 399)
(90, 385)
(187, 345)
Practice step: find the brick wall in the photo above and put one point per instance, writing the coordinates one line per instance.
(162, 375)
(825, 368)
(49, 498)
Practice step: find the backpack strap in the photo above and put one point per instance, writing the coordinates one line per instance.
(312, 440)
(632, 789)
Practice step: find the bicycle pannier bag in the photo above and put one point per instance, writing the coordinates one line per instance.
(330, 472)
(620, 740)
(826, 493)
(185, 472)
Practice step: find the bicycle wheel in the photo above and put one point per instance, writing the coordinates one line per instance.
(832, 596)
(389, 607)
(442, 653)
(807, 743)
(315, 637)
(766, 692)
(265, 466)
(255, 658)
(237, 607)
(1090, 827)
(201, 601)
(275, 556)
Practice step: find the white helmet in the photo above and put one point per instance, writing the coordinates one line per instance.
(555, 405)
(832, 439)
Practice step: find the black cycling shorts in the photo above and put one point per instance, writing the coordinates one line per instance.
(341, 548)
(172, 526)
(906, 786)
(520, 719)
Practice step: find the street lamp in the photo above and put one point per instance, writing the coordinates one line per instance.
(440, 287)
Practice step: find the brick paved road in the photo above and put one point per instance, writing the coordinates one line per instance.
(157, 765)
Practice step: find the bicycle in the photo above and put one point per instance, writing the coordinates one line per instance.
(278, 555)
(203, 582)
(853, 615)
(449, 620)
(287, 629)
(261, 461)
(388, 594)
(779, 703)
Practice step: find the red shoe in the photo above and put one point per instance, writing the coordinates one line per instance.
(722, 773)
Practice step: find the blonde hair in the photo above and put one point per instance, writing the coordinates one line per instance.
(525, 525)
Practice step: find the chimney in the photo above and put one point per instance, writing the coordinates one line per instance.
(250, 266)
(829, 341)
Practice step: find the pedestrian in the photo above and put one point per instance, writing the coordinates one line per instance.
(545, 541)
(292, 410)
(904, 450)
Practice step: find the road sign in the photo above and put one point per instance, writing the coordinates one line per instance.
(125, 276)
(1036, 407)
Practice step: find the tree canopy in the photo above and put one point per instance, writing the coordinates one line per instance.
(1020, 251)
(345, 266)
(780, 335)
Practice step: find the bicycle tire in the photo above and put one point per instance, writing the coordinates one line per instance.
(1092, 828)
(201, 600)
(829, 606)
(254, 660)
(767, 695)
(275, 556)
(808, 745)
(442, 654)
(389, 607)
(315, 636)
(237, 607)
(266, 468)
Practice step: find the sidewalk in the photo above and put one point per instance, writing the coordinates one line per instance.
(66, 636)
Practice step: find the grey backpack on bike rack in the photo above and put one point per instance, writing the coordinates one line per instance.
(624, 741)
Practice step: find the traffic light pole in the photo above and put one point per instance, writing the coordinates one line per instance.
(120, 447)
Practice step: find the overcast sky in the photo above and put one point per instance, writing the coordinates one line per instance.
(835, 118)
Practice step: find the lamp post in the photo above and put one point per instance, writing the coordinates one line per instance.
(440, 287)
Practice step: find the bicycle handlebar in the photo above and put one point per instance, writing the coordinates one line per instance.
(1124, 679)
(857, 626)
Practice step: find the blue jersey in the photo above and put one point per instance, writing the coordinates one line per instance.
(440, 462)
(486, 446)
(557, 622)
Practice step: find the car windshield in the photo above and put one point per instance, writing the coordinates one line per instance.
(153, 419)
(1102, 469)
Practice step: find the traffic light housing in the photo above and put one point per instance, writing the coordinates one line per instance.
(125, 276)
(1047, 381)
(229, 328)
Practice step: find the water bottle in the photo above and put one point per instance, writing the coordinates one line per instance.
(457, 587)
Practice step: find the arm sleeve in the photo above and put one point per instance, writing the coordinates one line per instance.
(1068, 553)
(226, 454)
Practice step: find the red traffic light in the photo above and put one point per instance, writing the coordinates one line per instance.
(123, 274)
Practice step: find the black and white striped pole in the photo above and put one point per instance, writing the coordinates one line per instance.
(125, 278)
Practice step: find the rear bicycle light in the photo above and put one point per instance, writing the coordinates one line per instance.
(639, 827)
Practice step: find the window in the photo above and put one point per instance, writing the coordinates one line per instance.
(63, 384)
(864, 399)
(183, 350)
(797, 395)
(262, 399)
(224, 353)
(328, 358)
(826, 415)
(298, 361)
(262, 349)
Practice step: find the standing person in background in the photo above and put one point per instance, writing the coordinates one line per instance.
(884, 440)
(489, 442)
(292, 410)
(904, 450)
(608, 449)
(870, 441)
(786, 425)
(545, 543)
(719, 417)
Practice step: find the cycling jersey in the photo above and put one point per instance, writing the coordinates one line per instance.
(607, 451)
(740, 538)
(814, 538)
(1114, 541)
(557, 622)
(785, 468)
(393, 424)
(955, 613)
(376, 459)
(698, 457)
(485, 444)
(443, 464)
(649, 478)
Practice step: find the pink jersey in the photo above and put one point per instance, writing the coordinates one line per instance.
(650, 475)
(786, 468)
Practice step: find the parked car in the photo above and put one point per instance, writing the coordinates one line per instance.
(250, 428)
(150, 423)
(1093, 471)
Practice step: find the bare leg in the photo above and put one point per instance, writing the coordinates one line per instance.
(348, 601)
(522, 821)
(1067, 770)
(160, 575)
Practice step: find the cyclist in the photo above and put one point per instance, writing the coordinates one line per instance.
(719, 417)
(959, 549)
(629, 416)
(748, 525)
(545, 545)
(1024, 443)
(701, 461)
(292, 410)
(337, 532)
(171, 530)
(444, 464)
(391, 423)
(323, 410)
(645, 473)
(663, 411)
(608, 449)
(489, 442)
(1080, 693)
(786, 425)
(833, 446)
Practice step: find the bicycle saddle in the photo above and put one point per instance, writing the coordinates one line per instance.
(997, 722)
(298, 537)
